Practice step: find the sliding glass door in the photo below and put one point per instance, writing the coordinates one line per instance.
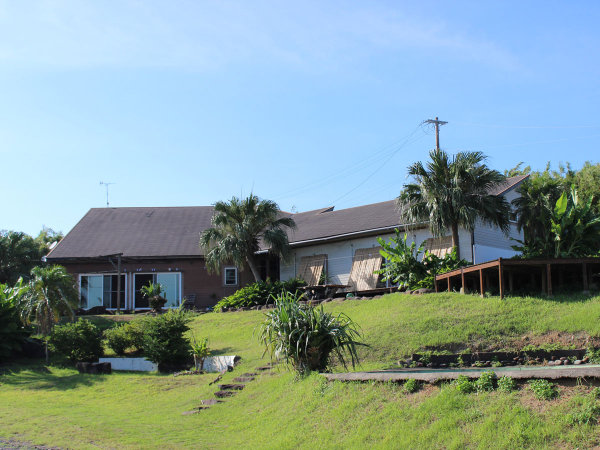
(170, 282)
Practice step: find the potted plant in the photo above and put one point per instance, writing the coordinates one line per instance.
(154, 294)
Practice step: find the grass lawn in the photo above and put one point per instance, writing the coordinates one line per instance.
(57, 406)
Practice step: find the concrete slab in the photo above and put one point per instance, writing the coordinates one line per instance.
(133, 364)
(434, 375)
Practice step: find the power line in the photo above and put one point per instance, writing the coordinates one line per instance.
(542, 127)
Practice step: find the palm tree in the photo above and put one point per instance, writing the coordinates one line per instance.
(238, 227)
(50, 294)
(453, 192)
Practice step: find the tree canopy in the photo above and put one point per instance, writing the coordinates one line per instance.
(239, 226)
(451, 192)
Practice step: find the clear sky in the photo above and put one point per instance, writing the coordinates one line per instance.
(306, 103)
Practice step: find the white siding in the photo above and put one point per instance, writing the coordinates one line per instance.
(339, 254)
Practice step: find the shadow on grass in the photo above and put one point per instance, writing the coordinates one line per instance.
(221, 351)
(38, 376)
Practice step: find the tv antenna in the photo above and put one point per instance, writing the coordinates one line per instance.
(106, 184)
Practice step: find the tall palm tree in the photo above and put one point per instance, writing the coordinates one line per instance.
(452, 192)
(50, 294)
(238, 227)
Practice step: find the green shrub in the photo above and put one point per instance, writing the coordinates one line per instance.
(259, 293)
(199, 350)
(164, 342)
(593, 354)
(543, 389)
(118, 339)
(78, 341)
(12, 331)
(485, 382)
(306, 337)
(464, 384)
(506, 384)
(411, 385)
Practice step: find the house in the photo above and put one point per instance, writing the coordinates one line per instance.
(332, 240)
(153, 245)
(113, 252)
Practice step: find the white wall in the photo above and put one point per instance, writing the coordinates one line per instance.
(339, 254)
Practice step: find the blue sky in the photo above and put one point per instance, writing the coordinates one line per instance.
(309, 104)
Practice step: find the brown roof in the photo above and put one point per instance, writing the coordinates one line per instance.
(175, 231)
(136, 232)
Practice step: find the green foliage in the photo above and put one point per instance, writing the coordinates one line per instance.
(586, 411)
(49, 295)
(543, 389)
(199, 350)
(125, 336)
(574, 230)
(153, 292)
(485, 382)
(78, 341)
(12, 331)
(452, 192)
(408, 266)
(593, 354)
(506, 384)
(238, 228)
(19, 253)
(464, 384)
(306, 337)
(259, 293)
(411, 385)
(164, 342)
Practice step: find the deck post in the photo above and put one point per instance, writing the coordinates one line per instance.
(435, 283)
(481, 286)
(449, 284)
(119, 283)
(544, 284)
(549, 278)
(462, 279)
(585, 277)
(500, 278)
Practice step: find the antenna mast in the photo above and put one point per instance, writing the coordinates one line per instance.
(106, 184)
(437, 123)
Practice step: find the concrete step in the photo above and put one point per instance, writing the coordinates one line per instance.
(223, 394)
(243, 379)
(232, 387)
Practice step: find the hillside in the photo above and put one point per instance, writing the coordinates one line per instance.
(57, 406)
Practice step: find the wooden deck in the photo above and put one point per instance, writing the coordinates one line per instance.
(502, 273)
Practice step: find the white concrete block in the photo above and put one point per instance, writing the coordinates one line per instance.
(133, 364)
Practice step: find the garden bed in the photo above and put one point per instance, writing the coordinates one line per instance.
(497, 359)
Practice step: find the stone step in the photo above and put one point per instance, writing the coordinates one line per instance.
(249, 374)
(263, 368)
(243, 379)
(194, 411)
(211, 401)
(232, 387)
(223, 394)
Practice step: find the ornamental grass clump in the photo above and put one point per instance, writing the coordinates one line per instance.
(306, 337)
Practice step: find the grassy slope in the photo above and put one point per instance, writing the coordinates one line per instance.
(60, 407)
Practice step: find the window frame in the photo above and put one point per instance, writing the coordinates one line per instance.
(104, 274)
(144, 308)
(237, 279)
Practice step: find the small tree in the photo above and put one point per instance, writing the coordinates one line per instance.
(238, 227)
(199, 350)
(50, 294)
(449, 193)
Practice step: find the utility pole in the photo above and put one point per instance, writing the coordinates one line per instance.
(437, 124)
(106, 184)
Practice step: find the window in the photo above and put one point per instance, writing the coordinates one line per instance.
(170, 282)
(230, 276)
(100, 290)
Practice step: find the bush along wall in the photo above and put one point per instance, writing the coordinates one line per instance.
(259, 293)
(79, 341)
